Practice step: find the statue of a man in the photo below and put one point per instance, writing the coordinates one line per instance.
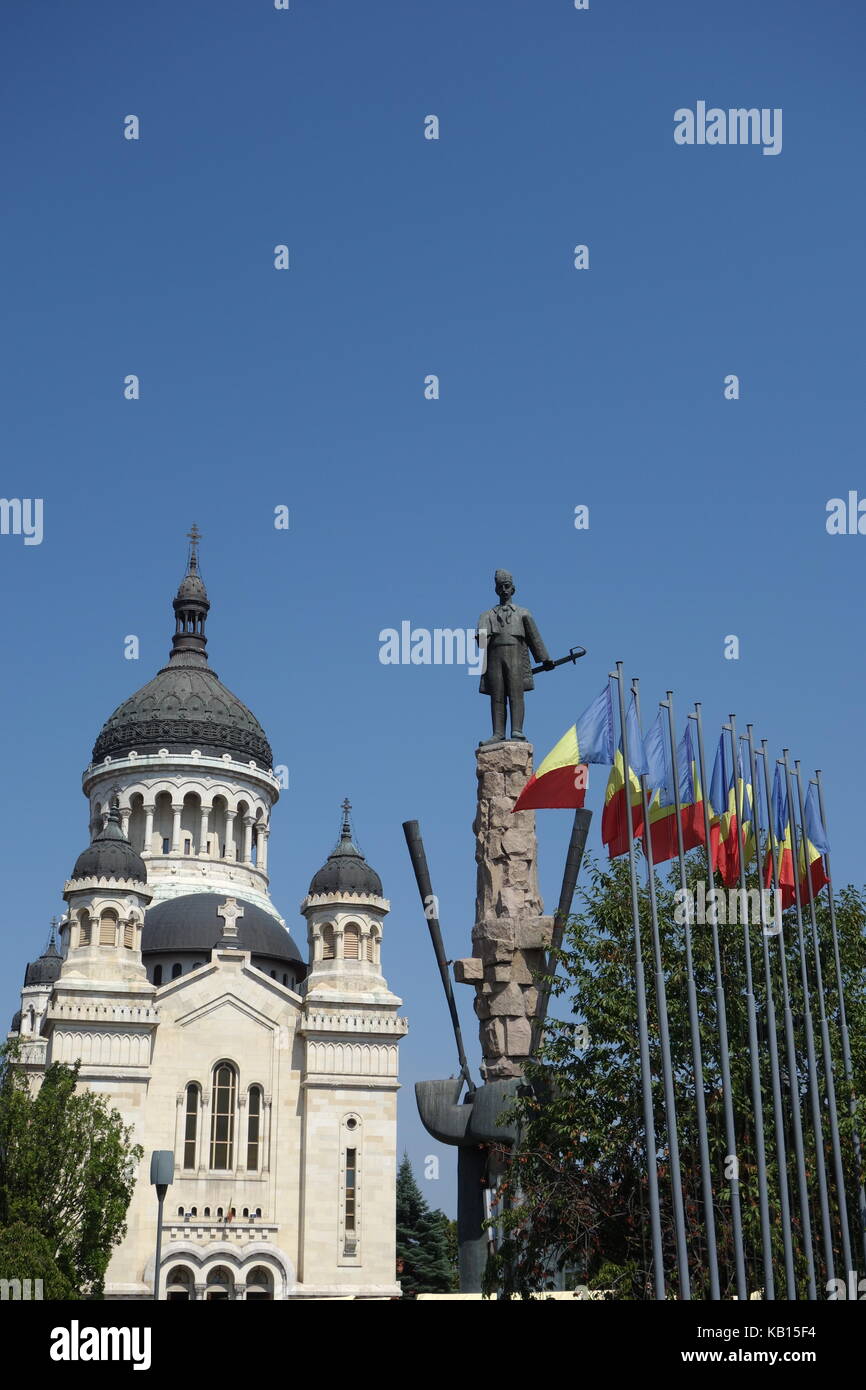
(509, 634)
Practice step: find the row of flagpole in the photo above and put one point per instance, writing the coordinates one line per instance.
(592, 740)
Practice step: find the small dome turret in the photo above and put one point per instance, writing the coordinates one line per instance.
(346, 870)
(110, 856)
(46, 969)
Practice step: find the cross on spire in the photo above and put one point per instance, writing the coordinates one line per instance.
(193, 535)
(346, 833)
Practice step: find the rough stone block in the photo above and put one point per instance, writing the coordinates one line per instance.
(534, 933)
(468, 970)
(518, 1037)
(518, 840)
(492, 1037)
(507, 1000)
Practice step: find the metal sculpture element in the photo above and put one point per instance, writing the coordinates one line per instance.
(507, 634)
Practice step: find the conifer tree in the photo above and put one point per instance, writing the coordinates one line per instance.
(422, 1240)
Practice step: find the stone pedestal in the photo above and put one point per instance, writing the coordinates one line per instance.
(511, 933)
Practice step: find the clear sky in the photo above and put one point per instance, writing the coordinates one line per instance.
(408, 257)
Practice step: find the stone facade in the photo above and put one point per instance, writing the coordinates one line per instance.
(276, 1093)
(511, 933)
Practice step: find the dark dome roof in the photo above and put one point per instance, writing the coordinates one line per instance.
(46, 969)
(16, 1022)
(346, 870)
(185, 706)
(110, 855)
(191, 923)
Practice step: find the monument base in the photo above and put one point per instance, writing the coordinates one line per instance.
(511, 934)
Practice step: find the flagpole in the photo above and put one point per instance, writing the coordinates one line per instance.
(791, 1057)
(829, 1083)
(722, 1024)
(775, 1070)
(664, 1031)
(642, 1024)
(694, 1024)
(812, 1067)
(754, 1056)
(843, 1020)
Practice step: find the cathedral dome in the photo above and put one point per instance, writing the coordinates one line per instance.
(192, 923)
(110, 855)
(185, 706)
(45, 970)
(346, 870)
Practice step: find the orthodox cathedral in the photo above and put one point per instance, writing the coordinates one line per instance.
(270, 1072)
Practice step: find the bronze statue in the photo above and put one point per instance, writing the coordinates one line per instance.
(508, 633)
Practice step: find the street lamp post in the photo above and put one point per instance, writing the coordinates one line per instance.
(161, 1174)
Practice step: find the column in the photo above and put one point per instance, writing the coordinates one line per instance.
(199, 1292)
(204, 1132)
(147, 850)
(124, 820)
(241, 1146)
(203, 830)
(266, 1134)
(179, 1129)
(230, 834)
(248, 839)
(262, 845)
(176, 812)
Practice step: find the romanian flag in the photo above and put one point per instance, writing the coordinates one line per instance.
(561, 779)
(780, 846)
(614, 818)
(813, 846)
(727, 792)
(664, 840)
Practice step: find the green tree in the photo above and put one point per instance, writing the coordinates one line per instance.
(26, 1254)
(424, 1260)
(67, 1170)
(574, 1195)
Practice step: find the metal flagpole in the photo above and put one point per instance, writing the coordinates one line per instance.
(829, 1083)
(664, 1032)
(775, 1071)
(722, 1024)
(793, 1067)
(814, 1097)
(843, 1022)
(694, 1024)
(754, 1056)
(642, 1025)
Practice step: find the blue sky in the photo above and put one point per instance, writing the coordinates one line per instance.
(305, 388)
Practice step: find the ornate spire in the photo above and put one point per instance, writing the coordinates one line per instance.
(191, 608)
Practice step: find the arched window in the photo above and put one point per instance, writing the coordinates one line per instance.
(190, 1133)
(108, 929)
(129, 935)
(176, 969)
(84, 929)
(157, 974)
(371, 948)
(178, 1285)
(222, 1127)
(328, 949)
(260, 1284)
(352, 942)
(254, 1126)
